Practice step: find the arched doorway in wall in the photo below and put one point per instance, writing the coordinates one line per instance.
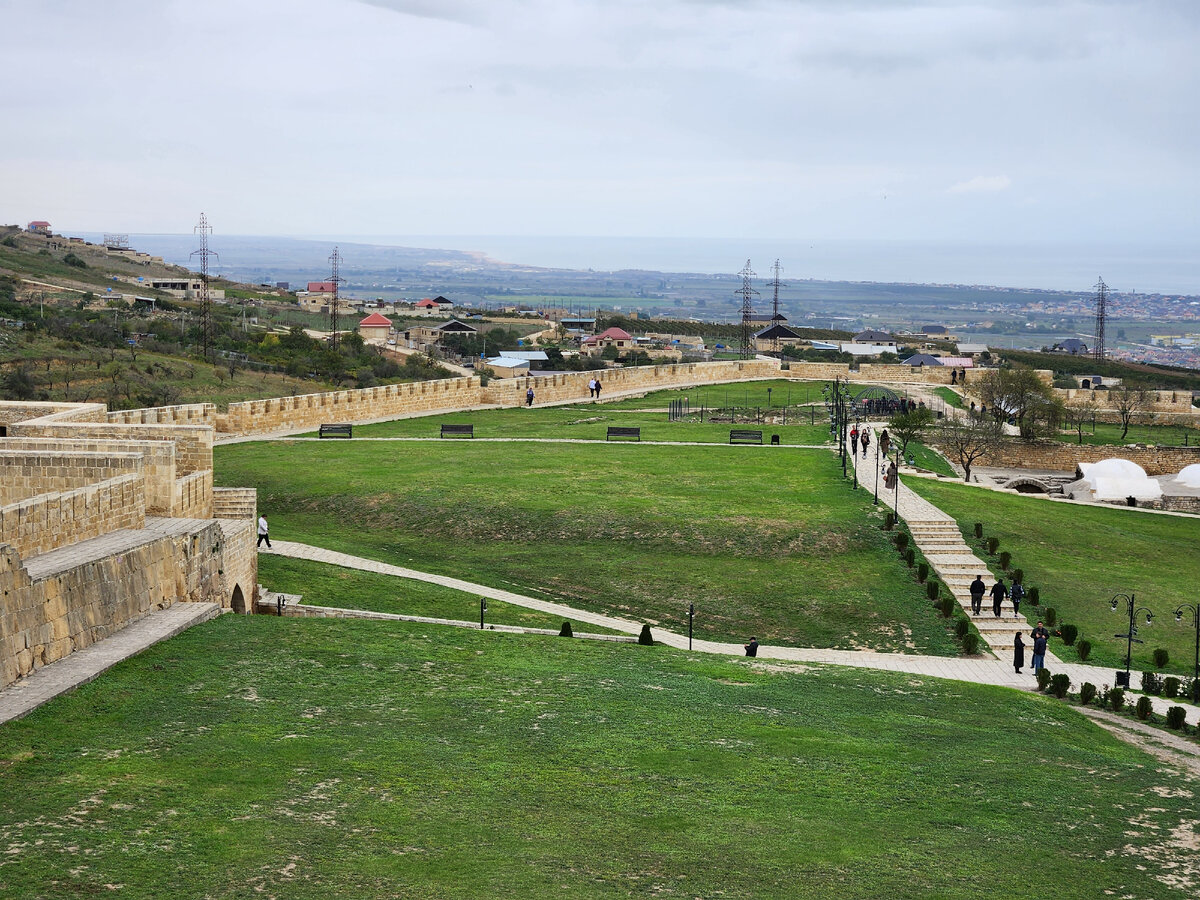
(238, 600)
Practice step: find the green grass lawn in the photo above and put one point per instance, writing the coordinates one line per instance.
(1081, 556)
(586, 422)
(326, 759)
(784, 392)
(951, 396)
(930, 460)
(1106, 433)
(322, 584)
(763, 541)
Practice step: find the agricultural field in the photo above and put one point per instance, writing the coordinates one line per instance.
(1081, 556)
(764, 541)
(326, 759)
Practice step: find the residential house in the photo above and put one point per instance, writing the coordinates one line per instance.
(375, 328)
(619, 338)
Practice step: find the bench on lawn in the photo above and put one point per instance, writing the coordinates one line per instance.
(633, 434)
(329, 430)
(744, 436)
(461, 430)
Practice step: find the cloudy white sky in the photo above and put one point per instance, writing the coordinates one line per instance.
(985, 121)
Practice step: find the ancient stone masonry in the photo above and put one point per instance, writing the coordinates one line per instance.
(1057, 456)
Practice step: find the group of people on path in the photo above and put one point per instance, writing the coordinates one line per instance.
(999, 592)
(1041, 637)
(594, 388)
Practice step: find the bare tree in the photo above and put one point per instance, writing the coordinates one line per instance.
(969, 438)
(1080, 410)
(1131, 404)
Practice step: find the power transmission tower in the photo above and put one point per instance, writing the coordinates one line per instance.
(1098, 352)
(335, 261)
(206, 322)
(747, 333)
(775, 316)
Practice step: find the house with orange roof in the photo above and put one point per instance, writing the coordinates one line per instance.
(375, 328)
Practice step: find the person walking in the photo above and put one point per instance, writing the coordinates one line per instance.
(885, 443)
(891, 480)
(978, 588)
(591, 387)
(999, 592)
(529, 396)
(865, 437)
(1041, 637)
(1016, 594)
(263, 532)
(752, 647)
(1018, 653)
(597, 388)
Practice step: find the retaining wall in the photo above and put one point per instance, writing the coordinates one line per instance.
(1060, 457)
(235, 503)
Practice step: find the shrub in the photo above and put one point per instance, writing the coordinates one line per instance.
(979, 531)
(901, 540)
(962, 627)
(1050, 616)
(931, 589)
(1069, 633)
(72, 260)
(9, 241)
(1151, 683)
(1034, 596)
(1116, 699)
(1043, 678)
(889, 520)
(646, 639)
(1171, 687)
(1143, 708)
(1059, 685)
(1087, 693)
(922, 572)
(1175, 717)
(993, 544)
(1018, 576)
(1005, 559)
(971, 643)
(566, 630)
(1161, 657)
(948, 605)
(910, 557)
(1084, 649)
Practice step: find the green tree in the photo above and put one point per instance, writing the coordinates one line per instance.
(909, 426)
(1022, 395)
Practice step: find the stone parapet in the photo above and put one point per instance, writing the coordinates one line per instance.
(54, 520)
(235, 503)
(188, 414)
(193, 496)
(28, 473)
(193, 443)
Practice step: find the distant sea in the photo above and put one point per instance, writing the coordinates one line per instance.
(1160, 268)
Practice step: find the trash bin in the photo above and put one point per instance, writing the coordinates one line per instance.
(1122, 679)
(774, 439)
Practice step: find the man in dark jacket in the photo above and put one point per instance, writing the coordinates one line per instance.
(978, 589)
(1016, 595)
(752, 647)
(1041, 637)
(999, 592)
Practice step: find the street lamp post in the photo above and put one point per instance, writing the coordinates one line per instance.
(1194, 609)
(896, 499)
(482, 610)
(875, 500)
(1130, 601)
(691, 615)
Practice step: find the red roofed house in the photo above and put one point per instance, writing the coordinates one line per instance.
(375, 328)
(427, 304)
(610, 337)
(39, 227)
(320, 287)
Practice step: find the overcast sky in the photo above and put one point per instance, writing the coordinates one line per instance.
(985, 121)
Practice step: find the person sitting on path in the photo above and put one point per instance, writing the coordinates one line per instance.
(999, 592)
(263, 532)
(1018, 653)
(752, 647)
(978, 588)
(1041, 637)
(1016, 594)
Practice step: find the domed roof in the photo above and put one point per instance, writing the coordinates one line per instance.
(1189, 475)
(1117, 479)
(1116, 468)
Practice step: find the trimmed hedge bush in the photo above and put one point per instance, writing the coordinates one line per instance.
(993, 544)
(948, 605)
(1043, 678)
(1116, 699)
(901, 540)
(1034, 596)
(1050, 616)
(1161, 657)
(889, 520)
(1018, 576)
(910, 557)
(962, 627)
(565, 631)
(646, 639)
(1175, 717)
(1069, 633)
(1087, 693)
(1005, 560)
(1171, 687)
(1084, 649)
(1152, 683)
(971, 643)
(1059, 685)
(922, 572)
(979, 531)
(931, 589)
(1143, 708)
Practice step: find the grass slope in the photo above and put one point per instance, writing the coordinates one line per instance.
(764, 541)
(1081, 556)
(330, 759)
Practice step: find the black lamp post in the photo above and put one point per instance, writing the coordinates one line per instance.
(896, 500)
(691, 615)
(482, 610)
(1194, 609)
(1130, 602)
(768, 399)
(875, 500)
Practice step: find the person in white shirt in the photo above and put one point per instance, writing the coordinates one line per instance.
(263, 532)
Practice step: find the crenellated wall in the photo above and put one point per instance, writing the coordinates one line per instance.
(1178, 403)
(28, 473)
(189, 414)
(194, 496)
(193, 443)
(235, 503)
(48, 521)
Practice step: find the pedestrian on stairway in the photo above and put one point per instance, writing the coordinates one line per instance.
(263, 532)
(865, 437)
(978, 589)
(1041, 637)
(1018, 653)
(885, 443)
(1016, 595)
(999, 592)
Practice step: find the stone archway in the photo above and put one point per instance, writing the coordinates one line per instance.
(238, 601)
(1028, 485)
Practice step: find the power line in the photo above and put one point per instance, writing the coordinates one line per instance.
(747, 292)
(206, 323)
(1098, 351)
(335, 261)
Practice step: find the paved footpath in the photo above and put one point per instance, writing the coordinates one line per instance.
(979, 670)
(89, 663)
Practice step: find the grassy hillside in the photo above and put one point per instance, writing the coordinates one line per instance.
(332, 759)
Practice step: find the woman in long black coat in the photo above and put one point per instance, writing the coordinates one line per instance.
(1018, 653)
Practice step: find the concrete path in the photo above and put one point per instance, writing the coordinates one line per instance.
(977, 670)
(85, 665)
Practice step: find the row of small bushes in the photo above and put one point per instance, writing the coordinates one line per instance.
(1170, 686)
(945, 603)
(1110, 698)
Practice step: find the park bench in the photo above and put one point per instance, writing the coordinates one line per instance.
(329, 430)
(633, 434)
(744, 436)
(461, 430)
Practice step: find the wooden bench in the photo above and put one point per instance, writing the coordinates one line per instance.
(328, 430)
(460, 430)
(633, 434)
(744, 436)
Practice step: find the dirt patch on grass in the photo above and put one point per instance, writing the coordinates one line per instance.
(1169, 748)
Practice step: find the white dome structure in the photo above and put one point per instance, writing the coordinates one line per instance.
(1189, 476)
(1119, 479)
